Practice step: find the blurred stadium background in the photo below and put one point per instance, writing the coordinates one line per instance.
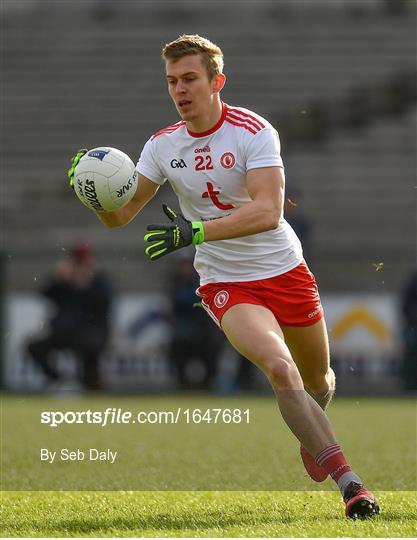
(337, 79)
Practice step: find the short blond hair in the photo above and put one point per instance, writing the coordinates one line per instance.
(212, 55)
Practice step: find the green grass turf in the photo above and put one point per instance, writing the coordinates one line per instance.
(374, 433)
(200, 514)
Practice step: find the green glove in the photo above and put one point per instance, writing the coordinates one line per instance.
(168, 237)
(74, 162)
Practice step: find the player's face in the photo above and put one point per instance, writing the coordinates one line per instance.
(190, 88)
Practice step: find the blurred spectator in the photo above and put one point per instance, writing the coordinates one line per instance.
(409, 312)
(82, 298)
(195, 337)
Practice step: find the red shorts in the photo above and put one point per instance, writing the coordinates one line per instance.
(292, 297)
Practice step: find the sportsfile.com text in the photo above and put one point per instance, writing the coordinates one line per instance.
(111, 416)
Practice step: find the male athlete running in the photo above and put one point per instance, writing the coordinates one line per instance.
(225, 166)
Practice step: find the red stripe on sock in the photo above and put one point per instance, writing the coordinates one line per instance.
(327, 451)
(330, 453)
(334, 462)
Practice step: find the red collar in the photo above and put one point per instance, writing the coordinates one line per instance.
(216, 126)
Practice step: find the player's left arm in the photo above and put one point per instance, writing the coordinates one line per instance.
(266, 187)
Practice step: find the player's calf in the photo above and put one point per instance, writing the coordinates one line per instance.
(321, 388)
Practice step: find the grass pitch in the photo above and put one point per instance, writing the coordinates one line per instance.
(200, 514)
(385, 428)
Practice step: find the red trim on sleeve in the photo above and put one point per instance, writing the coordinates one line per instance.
(242, 121)
(246, 116)
(168, 129)
(239, 124)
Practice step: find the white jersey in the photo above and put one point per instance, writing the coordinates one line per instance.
(207, 171)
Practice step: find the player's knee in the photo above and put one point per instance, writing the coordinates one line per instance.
(282, 373)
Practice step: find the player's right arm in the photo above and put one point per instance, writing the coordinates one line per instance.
(145, 191)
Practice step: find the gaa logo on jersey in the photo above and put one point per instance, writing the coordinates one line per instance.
(221, 299)
(178, 164)
(227, 160)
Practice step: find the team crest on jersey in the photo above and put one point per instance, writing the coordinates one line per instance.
(221, 299)
(227, 160)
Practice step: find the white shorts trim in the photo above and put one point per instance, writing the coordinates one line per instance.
(210, 313)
